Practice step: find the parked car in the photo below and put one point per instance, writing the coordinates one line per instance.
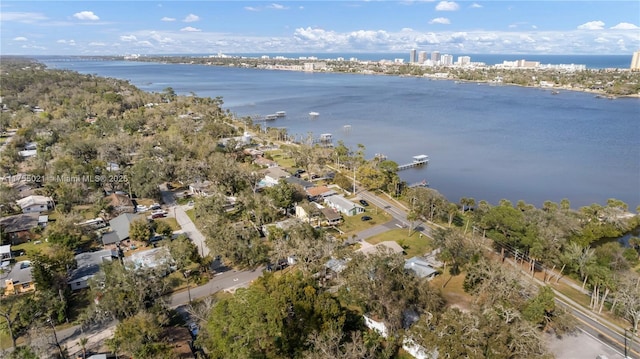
(155, 206)
(160, 214)
(364, 203)
(365, 218)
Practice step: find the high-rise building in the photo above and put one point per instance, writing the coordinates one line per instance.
(635, 61)
(422, 57)
(435, 57)
(446, 60)
(464, 60)
(412, 56)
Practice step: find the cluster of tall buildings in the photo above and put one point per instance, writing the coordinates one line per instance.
(436, 59)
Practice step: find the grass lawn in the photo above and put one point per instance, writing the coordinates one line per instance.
(453, 292)
(172, 222)
(30, 248)
(355, 224)
(413, 245)
(192, 214)
(282, 159)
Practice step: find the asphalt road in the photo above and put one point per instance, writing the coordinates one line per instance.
(590, 324)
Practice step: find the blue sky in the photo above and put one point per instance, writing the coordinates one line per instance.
(200, 27)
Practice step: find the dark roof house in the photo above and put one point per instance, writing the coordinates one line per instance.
(88, 265)
(119, 228)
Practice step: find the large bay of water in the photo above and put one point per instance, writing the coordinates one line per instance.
(485, 142)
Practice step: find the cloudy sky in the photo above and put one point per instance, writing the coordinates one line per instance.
(458, 27)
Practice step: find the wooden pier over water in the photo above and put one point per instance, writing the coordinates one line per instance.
(418, 160)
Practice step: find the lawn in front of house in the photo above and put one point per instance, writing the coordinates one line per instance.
(354, 224)
(172, 222)
(414, 245)
(282, 159)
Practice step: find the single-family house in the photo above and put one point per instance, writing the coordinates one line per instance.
(319, 192)
(35, 204)
(265, 162)
(20, 184)
(119, 228)
(120, 203)
(201, 188)
(255, 153)
(88, 265)
(17, 227)
(284, 225)
(299, 182)
(420, 267)
(343, 205)
(333, 268)
(273, 175)
(331, 216)
(311, 214)
(19, 280)
(386, 246)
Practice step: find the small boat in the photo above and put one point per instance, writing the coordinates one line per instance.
(271, 117)
(313, 114)
(281, 114)
(555, 92)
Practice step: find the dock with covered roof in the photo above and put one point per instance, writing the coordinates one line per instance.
(418, 160)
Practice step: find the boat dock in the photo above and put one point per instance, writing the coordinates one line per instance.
(423, 183)
(418, 160)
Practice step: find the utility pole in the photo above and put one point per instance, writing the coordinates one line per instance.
(354, 179)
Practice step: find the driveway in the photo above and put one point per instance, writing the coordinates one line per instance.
(187, 225)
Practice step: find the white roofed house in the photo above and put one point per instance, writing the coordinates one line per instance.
(201, 188)
(343, 205)
(36, 204)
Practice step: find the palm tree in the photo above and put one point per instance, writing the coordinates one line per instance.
(83, 343)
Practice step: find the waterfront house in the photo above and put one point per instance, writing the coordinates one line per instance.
(343, 205)
(35, 204)
(19, 280)
(88, 265)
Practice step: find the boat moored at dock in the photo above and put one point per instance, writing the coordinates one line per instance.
(281, 114)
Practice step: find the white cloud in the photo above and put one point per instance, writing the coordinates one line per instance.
(96, 43)
(168, 19)
(67, 42)
(24, 17)
(476, 5)
(191, 18)
(190, 29)
(86, 15)
(592, 25)
(447, 6)
(251, 8)
(534, 27)
(440, 20)
(601, 40)
(277, 7)
(20, 38)
(128, 38)
(625, 26)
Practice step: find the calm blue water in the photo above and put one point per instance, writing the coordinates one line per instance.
(485, 142)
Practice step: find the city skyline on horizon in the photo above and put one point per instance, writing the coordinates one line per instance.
(190, 27)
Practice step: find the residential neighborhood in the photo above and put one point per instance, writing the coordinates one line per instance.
(159, 225)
